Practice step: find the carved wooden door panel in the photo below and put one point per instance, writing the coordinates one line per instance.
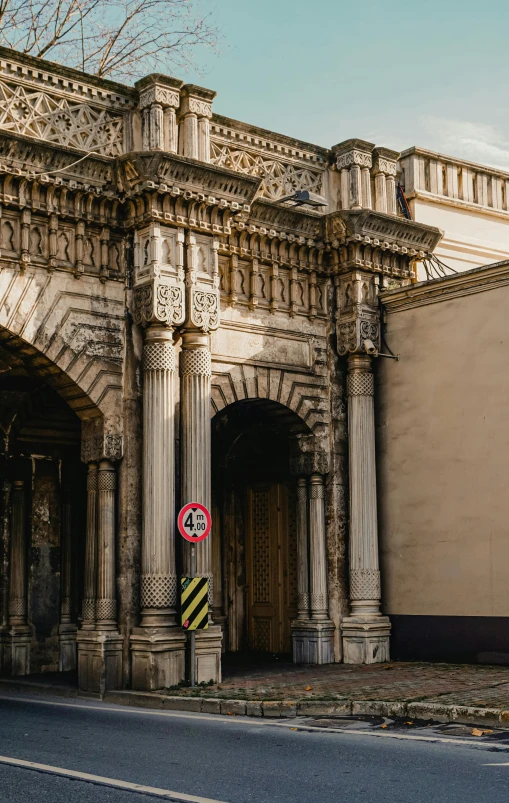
(270, 578)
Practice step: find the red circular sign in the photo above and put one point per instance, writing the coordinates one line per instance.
(194, 522)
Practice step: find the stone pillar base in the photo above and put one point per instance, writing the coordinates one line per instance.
(313, 642)
(15, 650)
(67, 647)
(157, 658)
(99, 661)
(208, 654)
(366, 641)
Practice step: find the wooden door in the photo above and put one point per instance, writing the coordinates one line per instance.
(270, 568)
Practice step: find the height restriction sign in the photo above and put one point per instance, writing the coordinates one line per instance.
(194, 522)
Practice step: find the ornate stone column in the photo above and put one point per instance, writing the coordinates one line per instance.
(99, 642)
(312, 631)
(202, 304)
(365, 632)
(159, 100)
(66, 629)
(18, 649)
(317, 552)
(385, 166)
(90, 573)
(194, 128)
(106, 602)
(158, 644)
(302, 550)
(354, 161)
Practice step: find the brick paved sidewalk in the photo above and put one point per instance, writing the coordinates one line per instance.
(450, 684)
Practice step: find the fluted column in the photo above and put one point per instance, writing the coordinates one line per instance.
(317, 550)
(106, 605)
(89, 585)
(158, 578)
(364, 572)
(195, 372)
(302, 550)
(18, 579)
(65, 558)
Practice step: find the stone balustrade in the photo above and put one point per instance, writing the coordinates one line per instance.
(426, 173)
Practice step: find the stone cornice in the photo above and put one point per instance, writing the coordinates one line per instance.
(20, 67)
(24, 156)
(265, 214)
(164, 172)
(446, 288)
(377, 228)
(252, 137)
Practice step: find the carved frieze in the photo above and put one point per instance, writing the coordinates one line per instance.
(159, 94)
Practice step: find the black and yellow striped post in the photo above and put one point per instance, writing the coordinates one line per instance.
(194, 603)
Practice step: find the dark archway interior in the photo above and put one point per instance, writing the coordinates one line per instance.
(254, 532)
(40, 444)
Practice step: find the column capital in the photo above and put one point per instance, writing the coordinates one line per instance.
(196, 100)
(385, 161)
(353, 152)
(160, 89)
(102, 447)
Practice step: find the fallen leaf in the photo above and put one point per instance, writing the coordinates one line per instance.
(383, 726)
(308, 688)
(294, 729)
(409, 723)
(480, 731)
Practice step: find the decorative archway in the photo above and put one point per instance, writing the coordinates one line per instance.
(261, 549)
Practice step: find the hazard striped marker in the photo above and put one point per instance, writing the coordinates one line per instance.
(195, 606)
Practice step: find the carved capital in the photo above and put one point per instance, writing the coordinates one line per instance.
(353, 157)
(165, 97)
(102, 447)
(353, 333)
(159, 301)
(204, 309)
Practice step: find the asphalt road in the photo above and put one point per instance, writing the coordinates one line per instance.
(231, 759)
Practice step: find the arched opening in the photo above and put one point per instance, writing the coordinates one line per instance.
(42, 517)
(254, 515)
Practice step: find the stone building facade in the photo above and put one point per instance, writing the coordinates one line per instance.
(173, 330)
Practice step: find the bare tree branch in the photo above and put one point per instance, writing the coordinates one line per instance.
(119, 39)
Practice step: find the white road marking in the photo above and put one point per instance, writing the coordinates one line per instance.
(113, 782)
(502, 764)
(256, 721)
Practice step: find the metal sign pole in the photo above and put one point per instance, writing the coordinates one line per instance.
(192, 633)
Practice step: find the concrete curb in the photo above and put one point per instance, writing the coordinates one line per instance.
(279, 709)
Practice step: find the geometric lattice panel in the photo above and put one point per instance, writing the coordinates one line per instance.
(261, 547)
(38, 114)
(278, 178)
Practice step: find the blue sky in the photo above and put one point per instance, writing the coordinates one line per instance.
(433, 74)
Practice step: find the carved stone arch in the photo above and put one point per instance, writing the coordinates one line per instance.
(304, 395)
(71, 336)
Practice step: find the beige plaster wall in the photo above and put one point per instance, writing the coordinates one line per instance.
(472, 237)
(443, 456)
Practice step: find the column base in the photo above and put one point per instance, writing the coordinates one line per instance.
(366, 641)
(208, 654)
(157, 658)
(15, 644)
(313, 641)
(67, 647)
(99, 661)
